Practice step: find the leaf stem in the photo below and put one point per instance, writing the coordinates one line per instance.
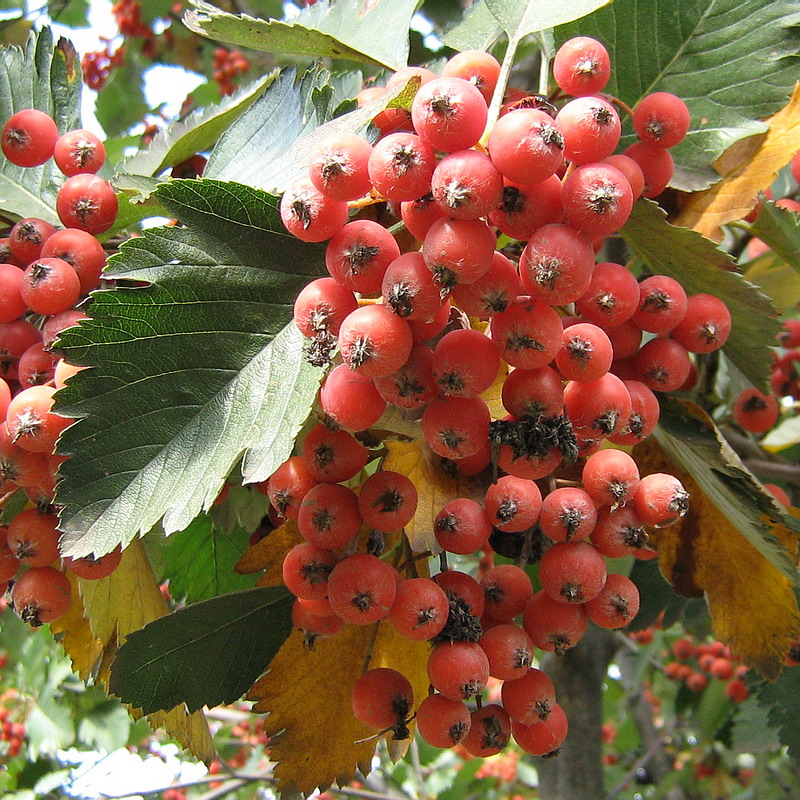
(500, 89)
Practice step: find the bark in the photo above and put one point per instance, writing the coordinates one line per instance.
(576, 773)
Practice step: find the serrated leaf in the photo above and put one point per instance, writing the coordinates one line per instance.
(199, 561)
(73, 13)
(477, 30)
(101, 616)
(782, 699)
(748, 167)
(374, 33)
(268, 146)
(308, 696)
(734, 546)
(780, 229)
(733, 62)
(700, 266)
(518, 19)
(47, 77)
(205, 654)
(751, 730)
(193, 370)
(198, 132)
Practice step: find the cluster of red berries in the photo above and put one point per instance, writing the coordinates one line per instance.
(11, 732)
(45, 273)
(696, 662)
(387, 317)
(97, 65)
(228, 66)
(785, 378)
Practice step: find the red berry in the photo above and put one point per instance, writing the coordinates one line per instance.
(29, 138)
(79, 151)
(382, 698)
(87, 202)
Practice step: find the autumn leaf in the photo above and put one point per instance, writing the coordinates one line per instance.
(307, 694)
(493, 396)
(102, 613)
(748, 167)
(750, 597)
(434, 489)
(268, 554)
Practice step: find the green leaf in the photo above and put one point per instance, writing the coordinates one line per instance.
(199, 561)
(751, 731)
(48, 727)
(47, 77)
(780, 229)
(478, 30)
(72, 13)
(695, 443)
(700, 266)
(733, 62)
(121, 102)
(106, 726)
(518, 19)
(782, 701)
(374, 33)
(195, 134)
(244, 507)
(775, 278)
(205, 654)
(192, 370)
(268, 147)
(656, 595)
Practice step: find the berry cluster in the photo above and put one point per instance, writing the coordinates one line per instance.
(695, 662)
(228, 65)
(397, 327)
(12, 732)
(45, 274)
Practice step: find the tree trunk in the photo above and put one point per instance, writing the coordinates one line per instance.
(576, 773)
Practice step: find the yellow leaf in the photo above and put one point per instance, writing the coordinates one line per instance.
(307, 694)
(752, 604)
(747, 167)
(776, 279)
(268, 554)
(434, 489)
(102, 614)
(493, 396)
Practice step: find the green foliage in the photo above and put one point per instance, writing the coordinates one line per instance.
(477, 30)
(195, 134)
(519, 19)
(46, 76)
(782, 699)
(348, 31)
(700, 266)
(205, 654)
(193, 369)
(199, 561)
(733, 62)
(267, 147)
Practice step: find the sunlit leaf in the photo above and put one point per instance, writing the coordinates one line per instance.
(748, 167)
(307, 694)
(350, 31)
